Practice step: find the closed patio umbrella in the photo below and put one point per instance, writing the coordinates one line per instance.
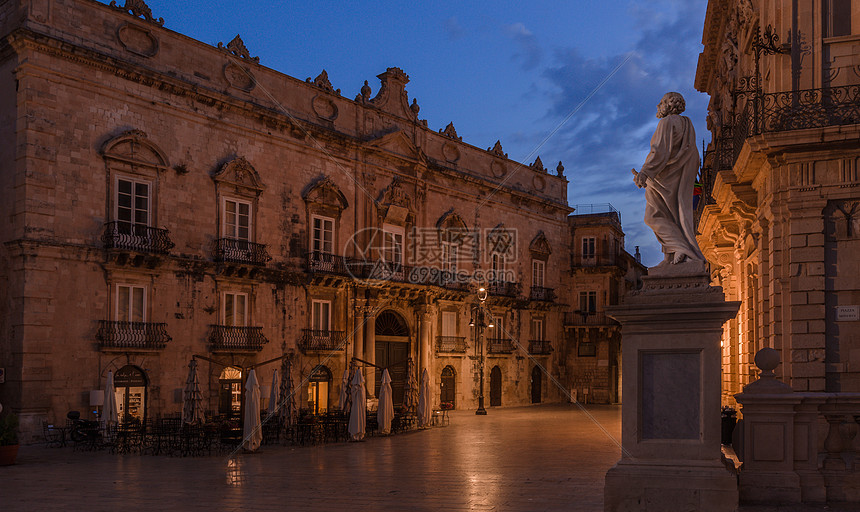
(410, 393)
(357, 415)
(343, 399)
(385, 412)
(424, 410)
(274, 395)
(192, 398)
(109, 413)
(252, 432)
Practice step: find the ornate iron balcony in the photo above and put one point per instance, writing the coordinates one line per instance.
(136, 237)
(542, 294)
(499, 346)
(451, 344)
(132, 335)
(325, 263)
(241, 251)
(810, 108)
(385, 271)
(540, 347)
(504, 288)
(240, 339)
(321, 340)
(577, 318)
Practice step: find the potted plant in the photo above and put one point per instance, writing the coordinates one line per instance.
(8, 439)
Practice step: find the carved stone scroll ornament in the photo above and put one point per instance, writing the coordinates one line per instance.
(323, 83)
(537, 166)
(138, 9)
(237, 47)
(450, 132)
(497, 149)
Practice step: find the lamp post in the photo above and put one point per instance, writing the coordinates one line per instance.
(480, 320)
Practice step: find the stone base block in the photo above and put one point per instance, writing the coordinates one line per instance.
(670, 486)
(769, 488)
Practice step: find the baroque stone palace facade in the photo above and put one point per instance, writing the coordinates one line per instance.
(779, 220)
(167, 199)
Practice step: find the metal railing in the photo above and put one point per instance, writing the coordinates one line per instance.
(136, 237)
(542, 294)
(321, 340)
(587, 318)
(140, 335)
(229, 338)
(540, 347)
(450, 344)
(504, 288)
(323, 262)
(499, 346)
(240, 251)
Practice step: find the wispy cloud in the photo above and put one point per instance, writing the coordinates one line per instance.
(530, 53)
(454, 29)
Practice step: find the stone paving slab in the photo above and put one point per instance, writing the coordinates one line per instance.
(538, 458)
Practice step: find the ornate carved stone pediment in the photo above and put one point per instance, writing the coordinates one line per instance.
(135, 148)
(392, 96)
(241, 174)
(501, 240)
(395, 205)
(325, 191)
(138, 9)
(400, 144)
(497, 150)
(450, 132)
(540, 246)
(237, 47)
(323, 83)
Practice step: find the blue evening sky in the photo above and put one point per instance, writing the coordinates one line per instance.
(507, 70)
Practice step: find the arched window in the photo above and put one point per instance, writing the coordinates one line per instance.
(230, 391)
(448, 387)
(130, 387)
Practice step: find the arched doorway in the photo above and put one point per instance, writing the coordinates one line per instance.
(496, 386)
(318, 385)
(230, 392)
(392, 352)
(537, 379)
(130, 388)
(448, 386)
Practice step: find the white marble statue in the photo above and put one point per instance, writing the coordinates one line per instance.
(668, 176)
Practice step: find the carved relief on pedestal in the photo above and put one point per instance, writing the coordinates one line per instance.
(137, 40)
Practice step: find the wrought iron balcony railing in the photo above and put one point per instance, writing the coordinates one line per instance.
(542, 294)
(385, 271)
(240, 339)
(136, 237)
(240, 251)
(810, 108)
(504, 288)
(132, 335)
(325, 263)
(578, 318)
(540, 347)
(499, 346)
(451, 344)
(321, 340)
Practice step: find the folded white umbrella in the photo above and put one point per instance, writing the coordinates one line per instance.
(357, 415)
(385, 411)
(274, 395)
(252, 432)
(192, 398)
(343, 399)
(109, 413)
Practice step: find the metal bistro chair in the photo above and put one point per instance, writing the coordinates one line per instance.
(54, 437)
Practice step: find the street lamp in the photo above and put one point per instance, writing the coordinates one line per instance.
(480, 319)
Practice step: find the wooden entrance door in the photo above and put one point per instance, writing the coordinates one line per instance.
(495, 387)
(448, 386)
(536, 384)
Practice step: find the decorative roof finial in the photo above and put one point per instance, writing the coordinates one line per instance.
(560, 170)
(323, 83)
(450, 132)
(538, 165)
(414, 107)
(138, 9)
(497, 149)
(365, 91)
(237, 47)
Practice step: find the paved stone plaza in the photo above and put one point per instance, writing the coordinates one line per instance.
(550, 457)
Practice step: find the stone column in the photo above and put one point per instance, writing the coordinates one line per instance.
(358, 331)
(370, 351)
(425, 351)
(671, 457)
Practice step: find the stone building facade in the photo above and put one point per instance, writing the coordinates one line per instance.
(168, 199)
(601, 272)
(779, 221)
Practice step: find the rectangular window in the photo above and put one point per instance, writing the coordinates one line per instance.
(130, 303)
(237, 220)
(449, 323)
(538, 332)
(497, 332)
(588, 302)
(538, 267)
(132, 203)
(322, 235)
(392, 248)
(588, 247)
(837, 18)
(235, 309)
(449, 257)
(321, 315)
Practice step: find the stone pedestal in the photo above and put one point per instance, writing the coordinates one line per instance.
(671, 458)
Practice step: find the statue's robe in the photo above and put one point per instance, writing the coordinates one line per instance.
(671, 167)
